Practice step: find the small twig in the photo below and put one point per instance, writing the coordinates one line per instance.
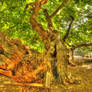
(68, 30)
(60, 7)
(27, 5)
(48, 18)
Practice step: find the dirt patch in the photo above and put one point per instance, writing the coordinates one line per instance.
(84, 75)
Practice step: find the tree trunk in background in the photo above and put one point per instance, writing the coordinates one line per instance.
(71, 57)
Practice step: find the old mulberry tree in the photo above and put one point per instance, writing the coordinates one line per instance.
(52, 28)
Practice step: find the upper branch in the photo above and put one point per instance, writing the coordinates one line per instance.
(38, 5)
(48, 18)
(81, 45)
(35, 25)
(60, 7)
(68, 30)
(37, 8)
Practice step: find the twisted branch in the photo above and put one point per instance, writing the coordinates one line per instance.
(60, 7)
(35, 25)
(68, 30)
(81, 45)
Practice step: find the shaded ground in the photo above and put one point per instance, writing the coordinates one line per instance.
(85, 75)
(82, 72)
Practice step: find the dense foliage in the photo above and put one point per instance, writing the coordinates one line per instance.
(14, 20)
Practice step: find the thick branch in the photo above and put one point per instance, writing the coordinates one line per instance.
(6, 73)
(68, 30)
(60, 7)
(48, 18)
(37, 8)
(37, 26)
(29, 77)
(81, 45)
(38, 5)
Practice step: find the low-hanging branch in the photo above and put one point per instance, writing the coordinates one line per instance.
(81, 45)
(60, 7)
(68, 30)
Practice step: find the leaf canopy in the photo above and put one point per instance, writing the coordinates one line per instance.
(14, 20)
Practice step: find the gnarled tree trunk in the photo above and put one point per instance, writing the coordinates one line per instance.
(24, 65)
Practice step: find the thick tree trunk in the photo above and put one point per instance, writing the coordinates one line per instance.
(62, 62)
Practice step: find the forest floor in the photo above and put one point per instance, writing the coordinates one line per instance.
(82, 72)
